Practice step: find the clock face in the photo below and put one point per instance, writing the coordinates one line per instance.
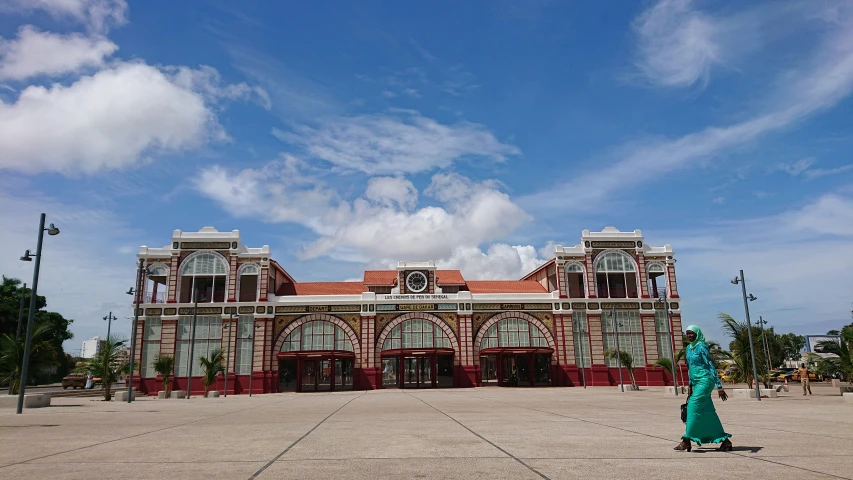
(416, 282)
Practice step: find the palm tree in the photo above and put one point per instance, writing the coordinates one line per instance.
(42, 355)
(843, 362)
(627, 362)
(164, 365)
(108, 365)
(211, 367)
(739, 348)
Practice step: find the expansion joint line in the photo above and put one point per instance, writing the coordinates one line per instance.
(652, 436)
(537, 472)
(255, 475)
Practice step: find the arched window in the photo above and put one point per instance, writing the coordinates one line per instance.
(416, 333)
(156, 281)
(616, 275)
(317, 335)
(513, 332)
(574, 280)
(248, 281)
(657, 279)
(205, 273)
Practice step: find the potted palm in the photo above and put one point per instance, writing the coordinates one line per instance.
(164, 365)
(108, 365)
(211, 366)
(627, 362)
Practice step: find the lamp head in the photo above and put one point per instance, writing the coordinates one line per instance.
(130, 291)
(26, 257)
(52, 230)
(752, 297)
(735, 281)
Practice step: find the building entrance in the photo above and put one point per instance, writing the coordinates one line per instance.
(315, 372)
(433, 369)
(514, 367)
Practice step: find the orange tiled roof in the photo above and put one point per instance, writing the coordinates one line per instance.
(329, 288)
(505, 286)
(449, 277)
(380, 277)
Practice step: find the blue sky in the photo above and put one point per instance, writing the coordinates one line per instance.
(355, 135)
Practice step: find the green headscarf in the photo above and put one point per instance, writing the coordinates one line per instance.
(700, 337)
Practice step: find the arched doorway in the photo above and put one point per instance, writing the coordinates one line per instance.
(417, 352)
(515, 352)
(316, 354)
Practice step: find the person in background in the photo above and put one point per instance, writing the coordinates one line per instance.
(703, 424)
(804, 378)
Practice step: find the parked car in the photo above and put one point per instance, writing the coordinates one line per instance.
(774, 374)
(796, 376)
(74, 380)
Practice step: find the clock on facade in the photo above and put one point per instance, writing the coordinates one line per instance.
(416, 282)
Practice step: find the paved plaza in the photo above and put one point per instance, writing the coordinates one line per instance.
(459, 433)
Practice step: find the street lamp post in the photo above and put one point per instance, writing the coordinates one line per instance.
(762, 322)
(20, 322)
(138, 293)
(252, 360)
(618, 350)
(192, 345)
(109, 319)
(25, 367)
(228, 327)
(746, 300)
(662, 301)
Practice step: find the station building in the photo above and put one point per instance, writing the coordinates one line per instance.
(416, 326)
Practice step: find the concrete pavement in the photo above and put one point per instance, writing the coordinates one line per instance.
(454, 433)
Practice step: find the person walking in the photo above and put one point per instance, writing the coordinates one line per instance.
(703, 424)
(804, 378)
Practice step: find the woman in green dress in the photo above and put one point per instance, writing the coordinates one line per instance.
(703, 424)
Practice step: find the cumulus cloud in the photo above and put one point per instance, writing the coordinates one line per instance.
(104, 121)
(382, 224)
(98, 15)
(499, 262)
(43, 53)
(208, 81)
(398, 142)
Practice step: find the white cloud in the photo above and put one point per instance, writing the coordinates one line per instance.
(719, 200)
(395, 143)
(822, 172)
(44, 53)
(207, 81)
(392, 192)
(676, 44)
(97, 15)
(381, 225)
(105, 121)
(499, 262)
(824, 80)
(798, 167)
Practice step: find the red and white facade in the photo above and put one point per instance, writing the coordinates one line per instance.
(416, 326)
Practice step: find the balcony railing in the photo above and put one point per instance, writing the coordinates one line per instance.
(160, 297)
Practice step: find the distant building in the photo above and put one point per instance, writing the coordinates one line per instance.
(91, 347)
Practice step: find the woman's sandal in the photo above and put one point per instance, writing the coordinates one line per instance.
(684, 445)
(726, 446)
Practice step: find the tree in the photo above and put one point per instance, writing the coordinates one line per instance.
(843, 362)
(792, 345)
(164, 365)
(211, 367)
(11, 290)
(834, 332)
(108, 365)
(42, 356)
(739, 348)
(627, 362)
